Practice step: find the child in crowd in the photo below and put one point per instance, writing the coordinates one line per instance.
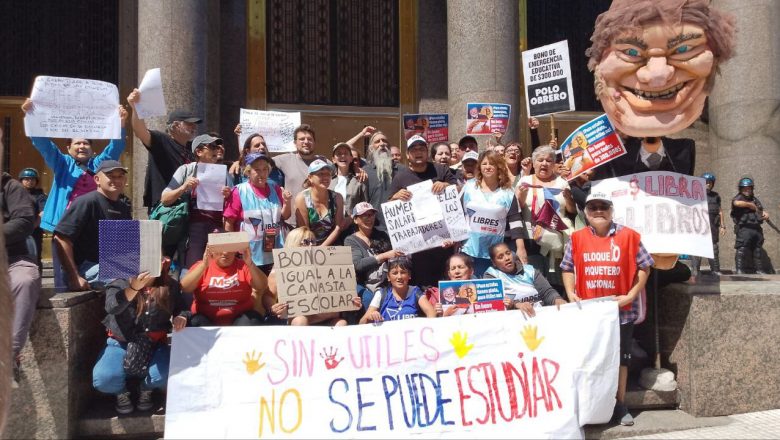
(399, 300)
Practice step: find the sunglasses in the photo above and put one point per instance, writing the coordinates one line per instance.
(598, 207)
(308, 242)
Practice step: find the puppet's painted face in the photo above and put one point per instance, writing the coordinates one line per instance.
(652, 82)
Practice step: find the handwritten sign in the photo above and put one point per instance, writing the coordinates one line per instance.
(212, 177)
(496, 375)
(547, 76)
(314, 280)
(277, 128)
(668, 209)
(73, 108)
(487, 118)
(228, 241)
(432, 127)
(408, 235)
(590, 145)
(472, 296)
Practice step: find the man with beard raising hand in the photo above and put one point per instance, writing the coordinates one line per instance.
(380, 168)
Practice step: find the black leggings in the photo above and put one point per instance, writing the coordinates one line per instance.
(248, 318)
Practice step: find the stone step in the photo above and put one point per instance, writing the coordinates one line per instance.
(101, 420)
(640, 399)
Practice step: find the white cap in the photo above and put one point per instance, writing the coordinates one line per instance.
(415, 139)
(598, 195)
(470, 155)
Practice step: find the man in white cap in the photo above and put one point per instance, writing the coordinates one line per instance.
(76, 235)
(427, 265)
(607, 259)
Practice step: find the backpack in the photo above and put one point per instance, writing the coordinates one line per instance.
(174, 218)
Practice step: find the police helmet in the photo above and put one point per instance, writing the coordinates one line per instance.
(29, 173)
(745, 181)
(709, 177)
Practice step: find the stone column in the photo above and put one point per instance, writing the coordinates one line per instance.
(482, 60)
(744, 117)
(179, 37)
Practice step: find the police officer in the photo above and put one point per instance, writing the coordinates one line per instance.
(717, 227)
(748, 214)
(30, 178)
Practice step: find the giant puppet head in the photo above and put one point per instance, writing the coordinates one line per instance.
(655, 61)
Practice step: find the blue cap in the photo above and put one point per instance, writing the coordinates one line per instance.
(29, 173)
(745, 181)
(251, 157)
(709, 177)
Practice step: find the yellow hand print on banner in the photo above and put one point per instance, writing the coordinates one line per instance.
(529, 336)
(252, 362)
(460, 344)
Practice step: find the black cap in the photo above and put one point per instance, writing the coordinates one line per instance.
(466, 139)
(110, 165)
(183, 115)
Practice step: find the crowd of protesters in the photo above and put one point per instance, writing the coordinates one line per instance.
(304, 199)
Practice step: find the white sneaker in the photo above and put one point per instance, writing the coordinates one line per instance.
(145, 402)
(123, 403)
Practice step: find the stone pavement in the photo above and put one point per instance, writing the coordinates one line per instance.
(757, 425)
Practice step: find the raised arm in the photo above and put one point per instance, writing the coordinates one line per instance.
(139, 126)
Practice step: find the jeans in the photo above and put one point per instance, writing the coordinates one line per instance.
(108, 376)
(25, 286)
(89, 270)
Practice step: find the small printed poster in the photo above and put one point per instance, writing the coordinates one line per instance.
(472, 296)
(592, 144)
(432, 127)
(484, 118)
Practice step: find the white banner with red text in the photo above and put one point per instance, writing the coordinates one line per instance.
(490, 375)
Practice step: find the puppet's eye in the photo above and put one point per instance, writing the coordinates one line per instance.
(631, 52)
(682, 49)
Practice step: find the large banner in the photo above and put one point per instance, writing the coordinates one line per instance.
(73, 108)
(314, 280)
(427, 220)
(478, 376)
(547, 76)
(592, 144)
(668, 209)
(432, 127)
(277, 128)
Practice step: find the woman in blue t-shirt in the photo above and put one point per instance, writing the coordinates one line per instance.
(399, 300)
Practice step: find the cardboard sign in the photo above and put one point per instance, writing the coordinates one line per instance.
(432, 127)
(313, 280)
(73, 108)
(472, 296)
(590, 145)
(409, 235)
(547, 76)
(128, 247)
(277, 128)
(487, 118)
(495, 375)
(668, 209)
(229, 241)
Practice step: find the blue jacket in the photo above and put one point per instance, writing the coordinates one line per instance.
(66, 173)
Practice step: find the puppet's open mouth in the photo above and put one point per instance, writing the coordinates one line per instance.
(669, 93)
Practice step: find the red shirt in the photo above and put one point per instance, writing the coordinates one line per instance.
(605, 266)
(224, 293)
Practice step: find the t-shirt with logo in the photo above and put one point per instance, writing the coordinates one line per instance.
(486, 214)
(224, 293)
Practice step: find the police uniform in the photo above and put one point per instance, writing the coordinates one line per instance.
(749, 235)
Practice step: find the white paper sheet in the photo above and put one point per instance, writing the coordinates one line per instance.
(211, 180)
(426, 205)
(277, 128)
(151, 247)
(73, 107)
(152, 101)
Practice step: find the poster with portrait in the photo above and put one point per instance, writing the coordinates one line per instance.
(547, 75)
(592, 144)
(471, 296)
(432, 127)
(487, 118)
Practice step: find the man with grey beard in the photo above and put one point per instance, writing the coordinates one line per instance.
(380, 169)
